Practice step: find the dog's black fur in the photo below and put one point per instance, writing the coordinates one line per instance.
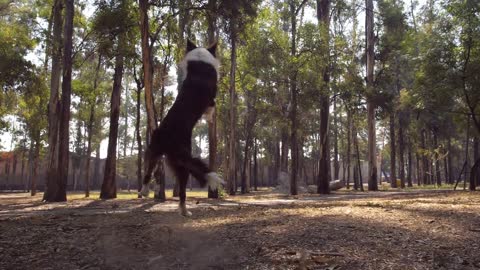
(173, 137)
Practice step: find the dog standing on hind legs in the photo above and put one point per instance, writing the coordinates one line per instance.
(172, 139)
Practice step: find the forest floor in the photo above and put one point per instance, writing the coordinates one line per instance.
(420, 229)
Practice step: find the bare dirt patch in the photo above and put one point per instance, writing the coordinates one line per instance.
(383, 230)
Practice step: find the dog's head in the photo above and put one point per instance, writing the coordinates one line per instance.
(198, 54)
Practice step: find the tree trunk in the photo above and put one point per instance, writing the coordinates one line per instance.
(401, 147)
(64, 138)
(246, 159)
(437, 160)
(52, 186)
(231, 184)
(450, 176)
(36, 159)
(212, 126)
(424, 159)
(336, 164)
(147, 67)
(359, 164)
(409, 166)
(349, 143)
(90, 131)
(138, 135)
(22, 175)
(474, 175)
(255, 165)
(109, 188)
(323, 17)
(96, 169)
(419, 169)
(476, 156)
(372, 157)
(393, 170)
(293, 109)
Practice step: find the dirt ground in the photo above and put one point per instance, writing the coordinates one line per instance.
(345, 230)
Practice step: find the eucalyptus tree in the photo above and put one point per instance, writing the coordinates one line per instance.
(235, 15)
(370, 53)
(115, 42)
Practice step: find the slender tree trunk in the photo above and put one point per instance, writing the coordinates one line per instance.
(64, 138)
(437, 160)
(96, 169)
(419, 170)
(359, 164)
(336, 164)
(424, 159)
(231, 184)
(476, 156)
(246, 159)
(449, 161)
(147, 67)
(138, 135)
(90, 130)
(323, 17)
(212, 126)
(401, 147)
(293, 109)
(467, 160)
(109, 188)
(409, 166)
(349, 143)
(393, 170)
(36, 159)
(255, 165)
(52, 186)
(372, 156)
(22, 175)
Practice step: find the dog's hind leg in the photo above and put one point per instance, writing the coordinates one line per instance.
(151, 160)
(182, 178)
(200, 171)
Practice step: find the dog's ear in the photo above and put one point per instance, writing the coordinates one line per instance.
(190, 46)
(213, 48)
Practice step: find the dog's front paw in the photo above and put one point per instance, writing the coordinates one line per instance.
(214, 181)
(145, 192)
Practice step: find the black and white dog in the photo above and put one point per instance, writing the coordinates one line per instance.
(198, 78)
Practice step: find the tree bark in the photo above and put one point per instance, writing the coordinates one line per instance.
(393, 168)
(323, 17)
(401, 147)
(52, 186)
(231, 184)
(424, 159)
(138, 135)
(255, 165)
(36, 159)
(90, 130)
(109, 188)
(212, 126)
(410, 165)
(349, 143)
(64, 138)
(437, 160)
(370, 38)
(148, 85)
(476, 156)
(336, 164)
